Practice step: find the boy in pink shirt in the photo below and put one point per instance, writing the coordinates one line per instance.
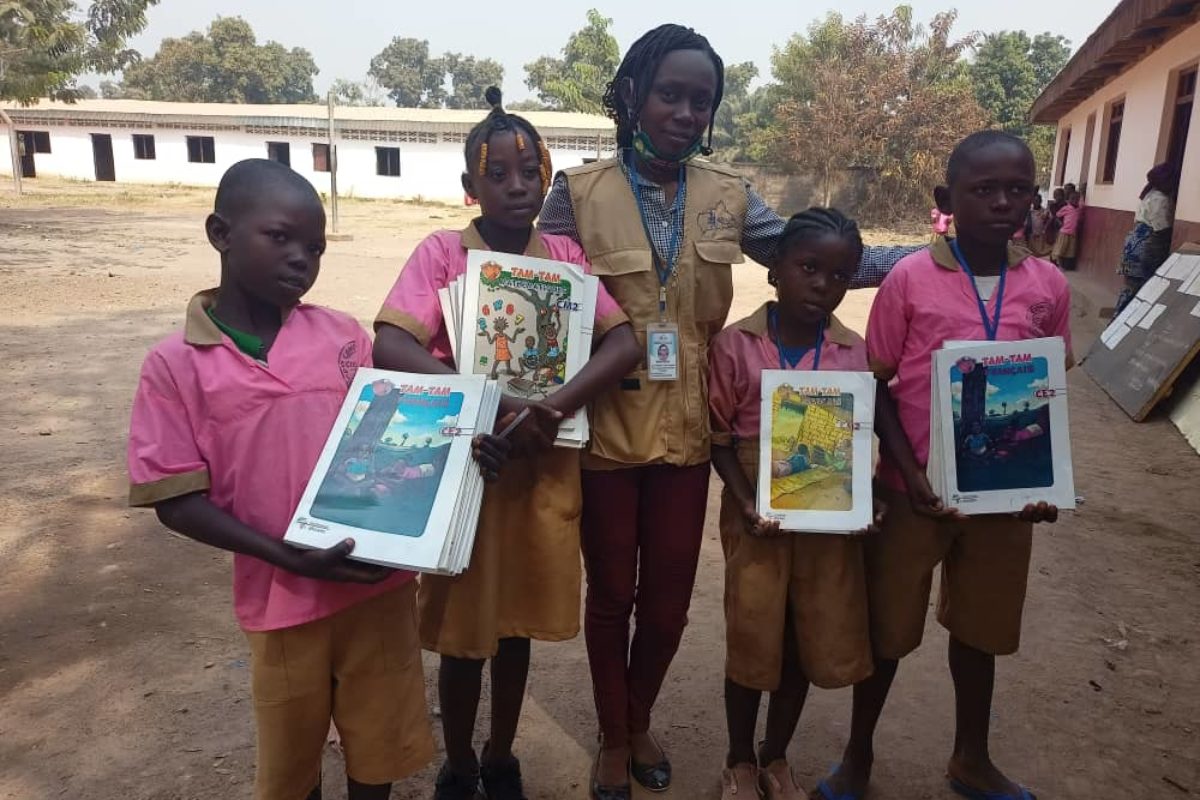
(976, 286)
(228, 421)
(795, 603)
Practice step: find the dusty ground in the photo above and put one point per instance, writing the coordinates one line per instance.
(124, 676)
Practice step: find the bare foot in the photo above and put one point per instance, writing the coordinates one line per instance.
(981, 774)
(612, 769)
(851, 777)
(645, 749)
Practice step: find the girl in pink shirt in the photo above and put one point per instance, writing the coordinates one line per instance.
(795, 603)
(525, 575)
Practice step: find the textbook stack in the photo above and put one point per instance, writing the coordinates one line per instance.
(526, 323)
(815, 451)
(396, 473)
(999, 437)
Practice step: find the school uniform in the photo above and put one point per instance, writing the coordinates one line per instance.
(928, 300)
(524, 579)
(1065, 245)
(208, 417)
(819, 578)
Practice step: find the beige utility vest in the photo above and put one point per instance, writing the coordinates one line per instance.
(660, 422)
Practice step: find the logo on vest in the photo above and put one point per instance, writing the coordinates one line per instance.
(348, 361)
(716, 218)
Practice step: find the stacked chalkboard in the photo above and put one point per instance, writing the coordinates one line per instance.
(1146, 348)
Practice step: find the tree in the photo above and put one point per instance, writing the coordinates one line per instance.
(46, 44)
(470, 77)
(740, 114)
(224, 65)
(578, 80)
(411, 77)
(1010, 70)
(890, 97)
(358, 93)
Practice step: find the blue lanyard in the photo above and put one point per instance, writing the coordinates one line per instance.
(785, 363)
(665, 267)
(990, 326)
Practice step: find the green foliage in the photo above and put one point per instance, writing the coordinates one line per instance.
(470, 77)
(578, 80)
(742, 116)
(413, 79)
(224, 65)
(358, 93)
(890, 97)
(1010, 70)
(46, 44)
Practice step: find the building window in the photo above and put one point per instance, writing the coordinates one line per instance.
(35, 141)
(1180, 115)
(387, 161)
(281, 152)
(1112, 140)
(201, 150)
(143, 147)
(320, 158)
(1064, 149)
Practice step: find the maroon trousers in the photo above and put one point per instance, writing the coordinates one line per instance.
(641, 530)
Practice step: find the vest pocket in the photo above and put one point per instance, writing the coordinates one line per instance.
(629, 277)
(714, 281)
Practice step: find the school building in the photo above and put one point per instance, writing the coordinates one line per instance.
(403, 153)
(1124, 103)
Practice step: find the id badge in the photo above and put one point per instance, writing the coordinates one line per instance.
(662, 351)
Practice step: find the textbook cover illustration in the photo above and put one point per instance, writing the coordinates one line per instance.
(396, 472)
(999, 431)
(815, 454)
(526, 323)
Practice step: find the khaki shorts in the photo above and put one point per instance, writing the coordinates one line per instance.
(985, 569)
(360, 667)
(818, 578)
(1064, 246)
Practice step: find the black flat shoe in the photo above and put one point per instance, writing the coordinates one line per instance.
(451, 786)
(598, 792)
(652, 777)
(501, 781)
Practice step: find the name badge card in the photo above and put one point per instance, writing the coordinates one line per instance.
(662, 351)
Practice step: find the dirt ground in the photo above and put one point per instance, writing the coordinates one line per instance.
(123, 674)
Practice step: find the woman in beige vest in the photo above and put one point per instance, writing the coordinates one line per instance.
(661, 231)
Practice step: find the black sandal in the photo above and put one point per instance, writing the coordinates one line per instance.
(501, 781)
(653, 777)
(598, 792)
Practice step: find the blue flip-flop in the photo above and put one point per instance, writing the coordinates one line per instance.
(979, 794)
(826, 792)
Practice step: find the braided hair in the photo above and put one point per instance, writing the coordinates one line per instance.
(498, 120)
(812, 224)
(641, 64)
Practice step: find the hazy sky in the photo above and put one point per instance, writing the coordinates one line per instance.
(343, 35)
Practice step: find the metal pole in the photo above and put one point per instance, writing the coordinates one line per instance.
(333, 196)
(14, 147)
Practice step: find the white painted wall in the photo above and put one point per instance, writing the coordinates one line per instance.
(429, 171)
(1145, 87)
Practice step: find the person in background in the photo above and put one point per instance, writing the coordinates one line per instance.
(1149, 243)
(1066, 244)
(939, 223)
(1036, 227)
(662, 229)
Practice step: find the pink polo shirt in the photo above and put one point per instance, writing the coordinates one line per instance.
(413, 305)
(1069, 215)
(740, 353)
(927, 300)
(207, 417)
